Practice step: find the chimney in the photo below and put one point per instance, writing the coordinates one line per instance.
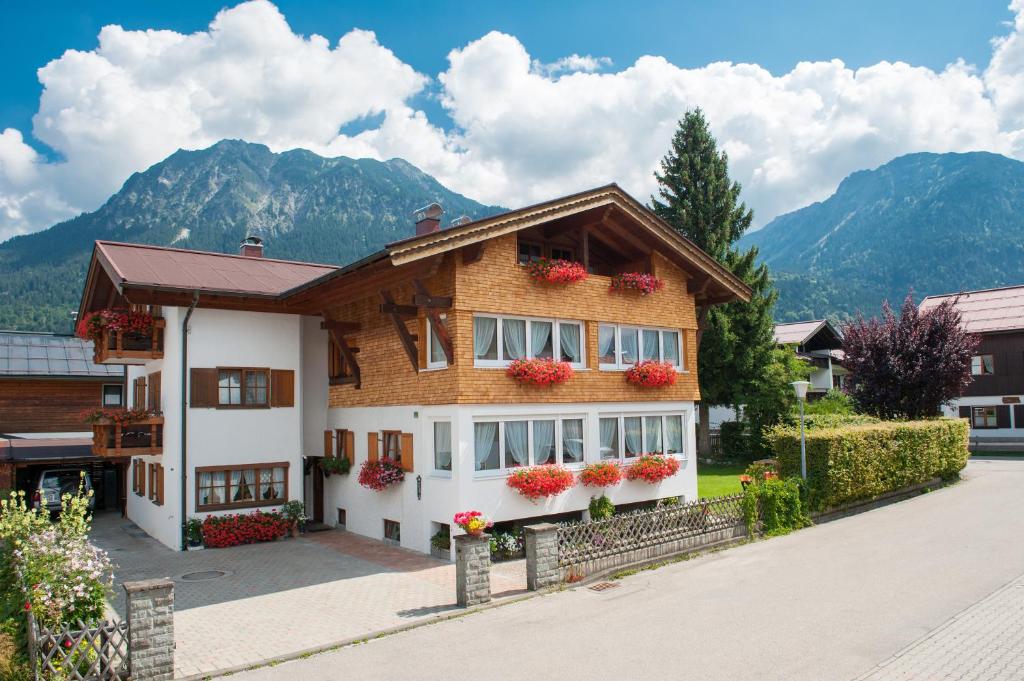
(461, 220)
(252, 247)
(428, 219)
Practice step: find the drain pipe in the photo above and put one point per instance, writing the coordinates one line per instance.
(184, 419)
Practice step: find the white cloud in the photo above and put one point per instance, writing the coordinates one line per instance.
(521, 130)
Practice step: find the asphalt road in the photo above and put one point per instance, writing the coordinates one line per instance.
(829, 602)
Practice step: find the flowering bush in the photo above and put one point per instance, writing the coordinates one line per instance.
(121, 417)
(601, 474)
(646, 284)
(506, 545)
(379, 475)
(220, 531)
(473, 522)
(652, 468)
(540, 371)
(651, 374)
(90, 327)
(541, 481)
(556, 271)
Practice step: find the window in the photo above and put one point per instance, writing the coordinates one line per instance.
(139, 477)
(983, 365)
(562, 254)
(436, 358)
(984, 417)
(341, 518)
(156, 483)
(620, 347)
(625, 437)
(443, 446)
(510, 443)
(392, 445)
(243, 387)
(529, 252)
(499, 340)
(221, 487)
(113, 395)
(392, 531)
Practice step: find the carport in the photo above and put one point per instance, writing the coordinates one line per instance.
(22, 460)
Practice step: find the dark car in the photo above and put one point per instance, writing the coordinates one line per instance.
(55, 483)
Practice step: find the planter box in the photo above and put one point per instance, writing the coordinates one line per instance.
(143, 437)
(118, 347)
(443, 554)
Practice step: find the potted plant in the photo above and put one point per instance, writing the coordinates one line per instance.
(441, 544)
(651, 374)
(601, 474)
(294, 512)
(547, 480)
(549, 271)
(652, 468)
(136, 324)
(645, 284)
(473, 522)
(379, 475)
(334, 464)
(539, 371)
(194, 534)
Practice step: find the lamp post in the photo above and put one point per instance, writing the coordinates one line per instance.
(800, 388)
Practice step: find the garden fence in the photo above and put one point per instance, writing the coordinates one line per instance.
(99, 653)
(631, 533)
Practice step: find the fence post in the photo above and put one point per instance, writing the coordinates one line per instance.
(472, 569)
(150, 609)
(542, 556)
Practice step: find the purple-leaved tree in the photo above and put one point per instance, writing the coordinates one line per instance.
(908, 366)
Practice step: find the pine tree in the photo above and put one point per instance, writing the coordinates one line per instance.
(736, 347)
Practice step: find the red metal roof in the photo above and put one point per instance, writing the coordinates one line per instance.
(175, 268)
(997, 309)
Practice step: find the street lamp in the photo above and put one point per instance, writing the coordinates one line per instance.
(800, 388)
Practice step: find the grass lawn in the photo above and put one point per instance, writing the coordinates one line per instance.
(717, 481)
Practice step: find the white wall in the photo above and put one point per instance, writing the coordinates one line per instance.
(443, 495)
(1014, 432)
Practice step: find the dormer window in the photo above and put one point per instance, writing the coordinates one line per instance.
(529, 252)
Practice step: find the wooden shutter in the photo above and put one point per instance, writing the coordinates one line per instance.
(1018, 416)
(371, 446)
(152, 481)
(350, 446)
(139, 393)
(406, 449)
(328, 444)
(159, 492)
(282, 388)
(965, 412)
(1003, 416)
(203, 388)
(142, 478)
(154, 391)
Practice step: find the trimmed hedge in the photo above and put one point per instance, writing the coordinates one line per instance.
(848, 463)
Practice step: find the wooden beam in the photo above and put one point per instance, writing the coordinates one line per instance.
(405, 311)
(366, 283)
(345, 380)
(585, 239)
(348, 353)
(698, 288)
(427, 300)
(408, 339)
(626, 234)
(341, 327)
(472, 253)
(437, 326)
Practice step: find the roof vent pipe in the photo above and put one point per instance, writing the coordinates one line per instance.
(252, 247)
(428, 219)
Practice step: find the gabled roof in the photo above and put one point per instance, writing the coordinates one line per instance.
(47, 355)
(986, 310)
(802, 333)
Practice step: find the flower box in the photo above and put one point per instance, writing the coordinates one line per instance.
(651, 374)
(601, 474)
(541, 481)
(379, 475)
(244, 528)
(645, 284)
(125, 432)
(540, 371)
(652, 468)
(556, 271)
(122, 336)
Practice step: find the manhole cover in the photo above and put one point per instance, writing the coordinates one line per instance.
(604, 586)
(202, 576)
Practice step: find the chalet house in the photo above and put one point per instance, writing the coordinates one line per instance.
(262, 368)
(818, 343)
(992, 401)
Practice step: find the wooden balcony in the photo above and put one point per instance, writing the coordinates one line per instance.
(143, 437)
(120, 347)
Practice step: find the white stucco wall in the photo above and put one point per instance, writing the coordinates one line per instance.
(1014, 432)
(444, 494)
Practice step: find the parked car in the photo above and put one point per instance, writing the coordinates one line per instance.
(55, 483)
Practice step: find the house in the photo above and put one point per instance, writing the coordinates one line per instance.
(264, 367)
(46, 381)
(993, 400)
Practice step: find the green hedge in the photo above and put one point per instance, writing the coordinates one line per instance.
(734, 441)
(848, 463)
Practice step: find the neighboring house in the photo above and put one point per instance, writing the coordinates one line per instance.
(402, 355)
(817, 342)
(993, 400)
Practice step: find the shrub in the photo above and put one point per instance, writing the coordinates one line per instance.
(556, 271)
(820, 421)
(652, 468)
(834, 402)
(13, 666)
(848, 463)
(646, 284)
(651, 374)
(541, 481)
(735, 445)
(243, 528)
(539, 371)
(781, 502)
(506, 545)
(601, 508)
(441, 540)
(601, 474)
(379, 475)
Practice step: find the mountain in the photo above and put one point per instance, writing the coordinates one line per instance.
(933, 223)
(306, 207)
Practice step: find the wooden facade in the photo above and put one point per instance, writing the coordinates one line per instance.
(1007, 351)
(49, 405)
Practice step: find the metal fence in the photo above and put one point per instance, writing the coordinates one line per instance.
(99, 653)
(586, 541)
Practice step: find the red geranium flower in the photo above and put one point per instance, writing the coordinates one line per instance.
(541, 481)
(556, 271)
(652, 468)
(540, 371)
(601, 474)
(646, 284)
(651, 374)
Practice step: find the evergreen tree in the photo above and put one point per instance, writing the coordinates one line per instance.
(736, 346)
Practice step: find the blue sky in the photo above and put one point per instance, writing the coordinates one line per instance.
(508, 103)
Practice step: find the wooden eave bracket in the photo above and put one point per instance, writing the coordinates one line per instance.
(337, 330)
(432, 304)
(394, 311)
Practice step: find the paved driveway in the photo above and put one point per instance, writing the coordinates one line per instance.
(830, 602)
(288, 596)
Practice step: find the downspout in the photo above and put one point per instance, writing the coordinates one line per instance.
(184, 419)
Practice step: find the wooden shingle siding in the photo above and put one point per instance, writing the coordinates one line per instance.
(48, 405)
(497, 284)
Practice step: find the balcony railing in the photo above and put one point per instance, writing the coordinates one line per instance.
(145, 436)
(124, 347)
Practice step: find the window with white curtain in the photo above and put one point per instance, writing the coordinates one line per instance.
(436, 358)
(443, 446)
(620, 347)
(626, 436)
(497, 340)
(508, 443)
